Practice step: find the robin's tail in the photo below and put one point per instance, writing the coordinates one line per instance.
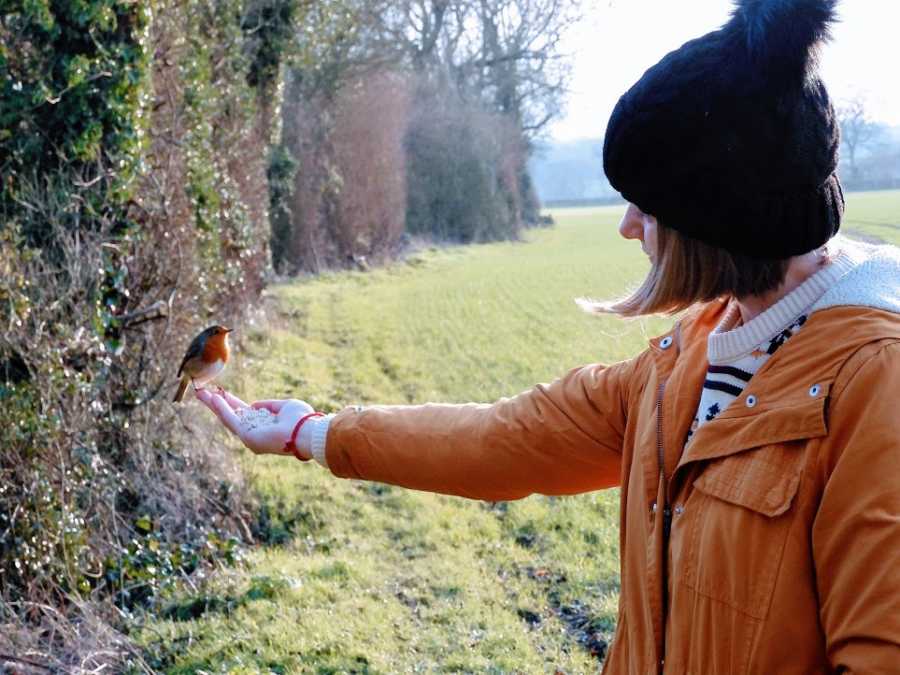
(182, 386)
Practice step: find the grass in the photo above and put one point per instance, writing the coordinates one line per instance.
(367, 578)
(874, 216)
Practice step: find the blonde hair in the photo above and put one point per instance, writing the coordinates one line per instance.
(686, 271)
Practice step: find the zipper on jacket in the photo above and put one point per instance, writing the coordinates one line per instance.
(666, 506)
(661, 461)
(660, 455)
(666, 523)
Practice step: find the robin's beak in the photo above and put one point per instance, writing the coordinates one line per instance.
(229, 330)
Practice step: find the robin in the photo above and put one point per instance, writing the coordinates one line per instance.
(204, 360)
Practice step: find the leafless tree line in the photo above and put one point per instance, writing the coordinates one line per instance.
(422, 113)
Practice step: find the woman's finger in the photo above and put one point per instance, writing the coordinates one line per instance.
(272, 405)
(204, 397)
(233, 400)
(223, 411)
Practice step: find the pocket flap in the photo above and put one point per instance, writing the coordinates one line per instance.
(740, 429)
(764, 479)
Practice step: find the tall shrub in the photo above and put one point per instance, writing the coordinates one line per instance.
(463, 171)
(348, 194)
(369, 126)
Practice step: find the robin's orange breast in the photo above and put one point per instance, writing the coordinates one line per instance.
(216, 349)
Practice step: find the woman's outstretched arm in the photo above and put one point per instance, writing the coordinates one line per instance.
(560, 438)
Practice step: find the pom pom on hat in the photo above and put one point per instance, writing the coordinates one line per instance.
(732, 139)
(782, 35)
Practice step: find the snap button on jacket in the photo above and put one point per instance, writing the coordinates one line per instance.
(771, 544)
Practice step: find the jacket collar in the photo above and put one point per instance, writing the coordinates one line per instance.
(872, 278)
(790, 392)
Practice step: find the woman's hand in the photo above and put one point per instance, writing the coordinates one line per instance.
(263, 426)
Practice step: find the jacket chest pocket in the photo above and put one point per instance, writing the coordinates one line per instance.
(736, 524)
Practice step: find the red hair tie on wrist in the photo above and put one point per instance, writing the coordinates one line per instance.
(291, 445)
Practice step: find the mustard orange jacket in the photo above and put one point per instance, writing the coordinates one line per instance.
(770, 545)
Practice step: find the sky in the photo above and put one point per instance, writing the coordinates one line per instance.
(619, 39)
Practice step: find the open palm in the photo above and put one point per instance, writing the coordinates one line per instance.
(265, 427)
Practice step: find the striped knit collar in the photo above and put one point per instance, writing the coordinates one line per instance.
(727, 343)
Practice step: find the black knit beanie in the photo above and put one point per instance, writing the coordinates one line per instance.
(731, 139)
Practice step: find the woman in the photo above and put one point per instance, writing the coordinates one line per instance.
(754, 442)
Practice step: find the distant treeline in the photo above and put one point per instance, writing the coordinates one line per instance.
(570, 171)
(565, 203)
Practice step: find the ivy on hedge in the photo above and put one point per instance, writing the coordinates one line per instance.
(72, 76)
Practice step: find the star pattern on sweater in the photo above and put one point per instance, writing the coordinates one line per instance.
(724, 383)
(783, 336)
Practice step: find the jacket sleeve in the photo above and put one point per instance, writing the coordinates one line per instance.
(556, 439)
(856, 533)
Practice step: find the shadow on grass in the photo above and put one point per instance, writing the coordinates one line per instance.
(589, 629)
(572, 601)
(278, 523)
(189, 609)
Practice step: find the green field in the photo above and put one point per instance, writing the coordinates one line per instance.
(873, 216)
(365, 578)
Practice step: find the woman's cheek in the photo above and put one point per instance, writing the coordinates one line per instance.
(649, 241)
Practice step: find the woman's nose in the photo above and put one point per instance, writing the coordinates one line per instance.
(632, 224)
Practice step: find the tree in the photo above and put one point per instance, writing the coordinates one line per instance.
(857, 130)
(418, 31)
(517, 63)
(505, 53)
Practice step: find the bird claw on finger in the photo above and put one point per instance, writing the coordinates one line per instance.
(201, 388)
